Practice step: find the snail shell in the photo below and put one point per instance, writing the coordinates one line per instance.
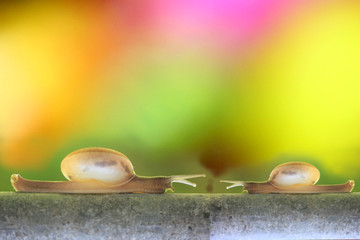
(101, 164)
(100, 170)
(292, 177)
(288, 174)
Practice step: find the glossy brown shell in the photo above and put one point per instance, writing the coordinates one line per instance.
(293, 173)
(106, 165)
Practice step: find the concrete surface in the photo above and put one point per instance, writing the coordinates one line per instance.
(179, 216)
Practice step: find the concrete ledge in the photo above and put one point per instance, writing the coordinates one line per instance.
(179, 216)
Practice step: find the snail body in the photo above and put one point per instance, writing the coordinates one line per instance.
(100, 170)
(292, 177)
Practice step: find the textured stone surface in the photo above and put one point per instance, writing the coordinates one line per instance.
(179, 216)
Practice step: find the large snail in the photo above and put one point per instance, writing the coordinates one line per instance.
(100, 170)
(293, 177)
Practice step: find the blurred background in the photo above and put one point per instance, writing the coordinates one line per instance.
(227, 88)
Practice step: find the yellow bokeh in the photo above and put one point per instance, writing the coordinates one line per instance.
(303, 95)
(48, 62)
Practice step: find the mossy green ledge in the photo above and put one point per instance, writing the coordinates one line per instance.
(179, 216)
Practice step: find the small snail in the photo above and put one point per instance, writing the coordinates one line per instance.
(100, 170)
(293, 177)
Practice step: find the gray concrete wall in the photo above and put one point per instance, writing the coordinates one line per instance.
(179, 216)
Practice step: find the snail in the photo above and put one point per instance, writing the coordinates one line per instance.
(292, 177)
(100, 170)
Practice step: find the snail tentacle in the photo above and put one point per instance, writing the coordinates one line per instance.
(234, 183)
(182, 179)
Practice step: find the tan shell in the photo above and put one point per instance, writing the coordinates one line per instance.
(292, 173)
(95, 163)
